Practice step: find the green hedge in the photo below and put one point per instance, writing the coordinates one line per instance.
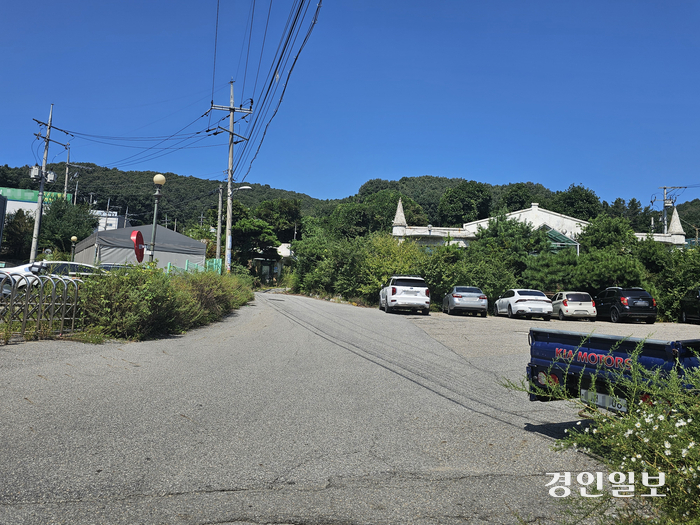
(142, 302)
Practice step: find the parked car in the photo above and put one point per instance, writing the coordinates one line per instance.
(110, 267)
(465, 299)
(62, 268)
(618, 304)
(27, 273)
(690, 307)
(408, 292)
(574, 305)
(523, 302)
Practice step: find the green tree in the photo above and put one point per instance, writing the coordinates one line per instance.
(599, 269)
(608, 232)
(253, 238)
(509, 240)
(381, 209)
(374, 214)
(467, 202)
(61, 221)
(577, 201)
(515, 197)
(551, 272)
(17, 235)
(284, 215)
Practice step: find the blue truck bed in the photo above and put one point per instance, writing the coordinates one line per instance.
(582, 362)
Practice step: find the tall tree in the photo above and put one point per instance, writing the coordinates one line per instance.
(608, 232)
(61, 221)
(17, 235)
(577, 201)
(515, 197)
(284, 215)
(467, 202)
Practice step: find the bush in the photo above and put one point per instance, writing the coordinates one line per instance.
(142, 302)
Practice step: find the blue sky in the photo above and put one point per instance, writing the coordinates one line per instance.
(598, 93)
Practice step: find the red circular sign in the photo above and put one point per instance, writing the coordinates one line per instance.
(137, 239)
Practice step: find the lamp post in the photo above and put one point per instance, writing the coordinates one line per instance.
(229, 237)
(158, 180)
(73, 240)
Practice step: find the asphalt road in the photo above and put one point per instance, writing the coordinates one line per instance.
(292, 410)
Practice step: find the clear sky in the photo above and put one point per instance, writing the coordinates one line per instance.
(598, 93)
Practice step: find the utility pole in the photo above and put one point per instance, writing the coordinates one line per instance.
(229, 200)
(201, 220)
(40, 199)
(218, 223)
(668, 203)
(65, 185)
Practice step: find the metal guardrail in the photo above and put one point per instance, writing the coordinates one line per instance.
(37, 306)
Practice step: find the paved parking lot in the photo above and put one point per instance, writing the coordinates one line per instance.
(477, 336)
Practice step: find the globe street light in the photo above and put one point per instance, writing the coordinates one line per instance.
(159, 181)
(73, 240)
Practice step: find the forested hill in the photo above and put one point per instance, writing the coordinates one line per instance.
(184, 198)
(444, 201)
(427, 191)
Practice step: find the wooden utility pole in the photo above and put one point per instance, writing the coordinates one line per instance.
(229, 200)
(40, 199)
(218, 223)
(65, 185)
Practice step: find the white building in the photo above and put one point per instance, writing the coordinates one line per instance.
(561, 229)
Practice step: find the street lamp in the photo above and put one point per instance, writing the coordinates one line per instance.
(73, 240)
(229, 206)
(158, 180)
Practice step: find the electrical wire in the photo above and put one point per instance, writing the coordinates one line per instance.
(216, 38)
(306, 38)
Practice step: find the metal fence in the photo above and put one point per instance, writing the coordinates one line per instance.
(210, 265)
(35, 306)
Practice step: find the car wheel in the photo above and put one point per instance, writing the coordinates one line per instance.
(684, 319)
(495, 310)
(426, 311)
(546, 317)
(510, 312)
(650, 320)
(591, 319)
(614, 315)
(561, 315)
(483, 314)
(386, 307)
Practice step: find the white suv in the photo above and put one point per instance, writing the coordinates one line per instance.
(408, 292)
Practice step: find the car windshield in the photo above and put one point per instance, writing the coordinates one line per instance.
(580, 297)
(535, 293)
(467, 289)
(409, 282)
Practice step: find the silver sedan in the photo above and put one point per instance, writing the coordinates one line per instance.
(465, 299)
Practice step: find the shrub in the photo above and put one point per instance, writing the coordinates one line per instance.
(141, 302)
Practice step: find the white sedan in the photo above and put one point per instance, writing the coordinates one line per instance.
(523, 303)
(574, 305)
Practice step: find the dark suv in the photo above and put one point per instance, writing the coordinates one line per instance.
(618, 304)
